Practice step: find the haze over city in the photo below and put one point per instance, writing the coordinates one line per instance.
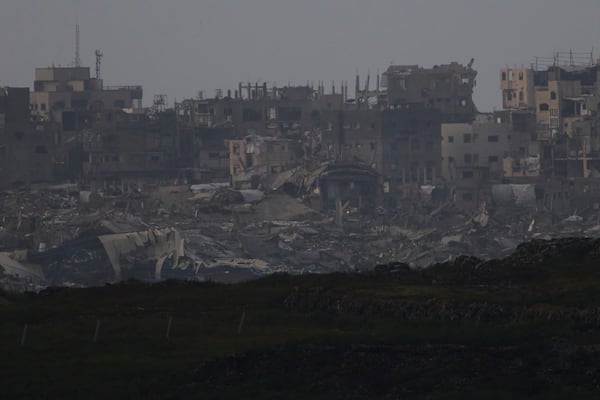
(178, 48)
(275, 199)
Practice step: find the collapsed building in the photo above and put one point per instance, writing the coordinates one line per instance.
(447, 88)
(256, 157)
(106, 142)
(148, 255)
(284, 179)
(262, 110)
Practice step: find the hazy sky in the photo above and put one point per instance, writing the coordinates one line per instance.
(178, 47)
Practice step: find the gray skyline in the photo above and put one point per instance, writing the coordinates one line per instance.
(203, 45)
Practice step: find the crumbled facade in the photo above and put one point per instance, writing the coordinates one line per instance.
(262, 110)
(27, 145)
(447, 88)
(67, 95)
(491, 148)
(256, 157)
(124, 148)
(566, 102)
(402, 145)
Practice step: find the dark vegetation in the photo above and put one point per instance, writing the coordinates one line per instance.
(526, 326)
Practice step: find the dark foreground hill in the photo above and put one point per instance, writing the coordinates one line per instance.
(526, 326)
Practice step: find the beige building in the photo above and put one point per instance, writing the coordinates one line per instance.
(517, 86)
(65, 94)
(478, 145)
(494, 146)
(567, 107)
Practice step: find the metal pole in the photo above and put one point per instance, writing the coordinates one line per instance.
(24, 335)
(169, 323)
(97, 332)
(241, 325)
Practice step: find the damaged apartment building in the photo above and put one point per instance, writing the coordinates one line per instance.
(485, 151)
(401, 145)
(27, 144)
(393, 131)
(255, 157)
(563, 94)
(69, 96)
(565, 98)
(447, 88)
(126, 149)
(44, 132)
(256, 130)
(82, 106)
(396, 130)
(103, 139)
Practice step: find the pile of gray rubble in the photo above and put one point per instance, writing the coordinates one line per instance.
(59, 235)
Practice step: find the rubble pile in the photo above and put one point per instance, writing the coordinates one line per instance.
(58, 235)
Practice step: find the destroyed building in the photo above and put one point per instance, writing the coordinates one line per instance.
(124, 148)
(402, 145)
(27, 145)
(288, 118)
(447, 88)
(565, 97)
(344, 185)
(210, 152)
(256, 157)
(395, 130)
(42, 129)
(267, 179)
(485, 151)
(67, 95)
(262, 110)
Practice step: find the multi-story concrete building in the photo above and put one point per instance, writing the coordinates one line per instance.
(517, 86)
(263, 111)
(492, 147)
(487, 142)
(254, 116)
(27, 145)
(566, 100)
(210, 156)
(447, 88)
(130, 147)
(402, 145)
(67, 95)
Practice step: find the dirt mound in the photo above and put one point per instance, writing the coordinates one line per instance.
(390, 372)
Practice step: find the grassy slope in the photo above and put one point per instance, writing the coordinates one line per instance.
(60, 359)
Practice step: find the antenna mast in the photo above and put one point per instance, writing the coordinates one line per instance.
(99, 56)
(77, 47)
